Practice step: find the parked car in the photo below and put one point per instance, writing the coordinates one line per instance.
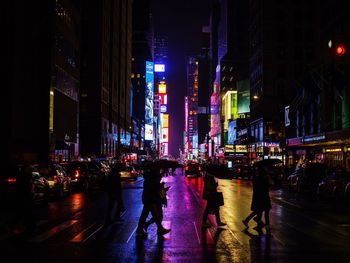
(58, 179)
(193, 169)
(129, 173)
(307, 178)
(99, 172)
(335, 185)
(8, 185)
(81, 179)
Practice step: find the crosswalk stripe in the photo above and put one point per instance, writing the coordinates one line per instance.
(195, 228)
(81, 236)
(93, 233)
(53, 231)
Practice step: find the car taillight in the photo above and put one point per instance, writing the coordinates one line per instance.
(77, 173)
(11, 180)
(55, 178)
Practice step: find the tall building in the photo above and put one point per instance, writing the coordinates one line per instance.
(161, 114)
(105, 122)
(280, 56)
(141, 52)
(44, 64)
(191, 109)
(230, 25)
(318, 117)
(204, 87)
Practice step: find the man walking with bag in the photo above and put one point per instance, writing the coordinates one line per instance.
(211, 195)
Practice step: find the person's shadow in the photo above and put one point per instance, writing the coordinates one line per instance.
(260, 245)
(208, 250)
(145, 252)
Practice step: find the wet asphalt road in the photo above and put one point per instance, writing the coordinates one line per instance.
(73, 230)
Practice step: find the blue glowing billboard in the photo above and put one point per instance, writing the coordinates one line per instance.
(149, 98)
(232, 132)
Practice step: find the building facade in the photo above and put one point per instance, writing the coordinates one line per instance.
(105, 119)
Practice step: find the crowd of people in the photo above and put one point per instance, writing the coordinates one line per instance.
(154, 198)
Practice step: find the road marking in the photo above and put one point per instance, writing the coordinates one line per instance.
(53, 231)
(80, 237)
(210, 235)
(132, 233)
(93, 233)
(195, 194)
(195, 228)
(286, 202)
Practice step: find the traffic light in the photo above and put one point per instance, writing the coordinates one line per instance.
(340, 50)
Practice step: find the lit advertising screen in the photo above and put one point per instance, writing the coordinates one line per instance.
(165, 120)
(243, 96)
(149, 100)
(163, 99)
(148, 132)
(165, 134)
(162, 88)
(159, 68)
(231, 132)
(163, 108)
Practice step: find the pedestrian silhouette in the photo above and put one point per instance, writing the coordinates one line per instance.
(152, 202)
(261, 202)
(115, 196)
(210, 194)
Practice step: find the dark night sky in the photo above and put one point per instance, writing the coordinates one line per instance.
(182, 22)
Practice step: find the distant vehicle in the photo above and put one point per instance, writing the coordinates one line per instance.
(129, 173)
(58, 179)
(307, 179)
(193, 169)
(241, 170)
(81, 178)
(8, 185)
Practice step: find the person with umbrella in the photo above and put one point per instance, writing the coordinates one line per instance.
(209, 194)
(152, 201)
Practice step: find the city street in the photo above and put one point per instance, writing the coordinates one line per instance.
(72, 230)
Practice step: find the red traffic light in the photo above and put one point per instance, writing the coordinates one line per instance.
(340, 50)
(206, 145)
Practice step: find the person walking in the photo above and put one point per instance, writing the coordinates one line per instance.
(164, 203)
(261, 202)
(152, 202)
(209, 194)
(115, 196)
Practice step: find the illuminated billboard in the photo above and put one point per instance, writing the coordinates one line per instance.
(165, 120)
(165, 134)
(163, 108)
(163, 99)
(231, 132)
(162, 88)
(149, 100)
(159, 68)
(148, 132)
(243, 96)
